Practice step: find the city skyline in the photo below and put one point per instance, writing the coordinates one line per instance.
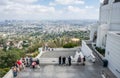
(49, 9)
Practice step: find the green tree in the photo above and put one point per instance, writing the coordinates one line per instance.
(7, 59)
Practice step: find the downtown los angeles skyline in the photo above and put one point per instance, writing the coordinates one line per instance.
(49, 9)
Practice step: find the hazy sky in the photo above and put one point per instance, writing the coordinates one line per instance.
(49, 9)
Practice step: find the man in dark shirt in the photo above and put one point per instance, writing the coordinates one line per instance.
(59, 60)
(69, 60)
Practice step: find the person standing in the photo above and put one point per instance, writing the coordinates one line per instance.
(79, 60)
(23, 60)
(14, 69)
(69, 61)
(38, 63)
(27, 62)
(17, 67)
(19, 63)
(60, 60)
(64, 60)
(23, 63)
(84, 59)
(31, 60)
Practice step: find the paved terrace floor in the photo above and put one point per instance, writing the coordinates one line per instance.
(61, 52)
(56, 71)
(90, 70)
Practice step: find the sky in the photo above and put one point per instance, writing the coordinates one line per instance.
(49, 9)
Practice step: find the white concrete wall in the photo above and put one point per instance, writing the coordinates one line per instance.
(93, 29)
(60, 49)
(104, 14)
(87, 51)
(48, 60)
(110, 14)
(9, 74)
(115, 13)
(111, 1)
(115, 17)
(113, 53)
(101, 36)
(40, 53)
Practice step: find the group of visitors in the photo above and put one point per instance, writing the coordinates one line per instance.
(65, 60)
(24, 62)
(35, 63)
(46, 48)
(18, 66)
(30, 62)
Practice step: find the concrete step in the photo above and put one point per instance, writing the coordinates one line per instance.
(56, 54)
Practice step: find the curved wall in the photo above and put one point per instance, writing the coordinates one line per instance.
(115, 17)
(110, 14)
(102, 31)
(93, 29)
(104, 14)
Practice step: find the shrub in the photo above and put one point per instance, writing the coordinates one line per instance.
(6, 69)
(100, 50)
(33, 54)
(69, 45)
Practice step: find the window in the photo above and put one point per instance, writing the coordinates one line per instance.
(105, 2)
(117, 0)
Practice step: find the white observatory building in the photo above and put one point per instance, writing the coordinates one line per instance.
(106, 34)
